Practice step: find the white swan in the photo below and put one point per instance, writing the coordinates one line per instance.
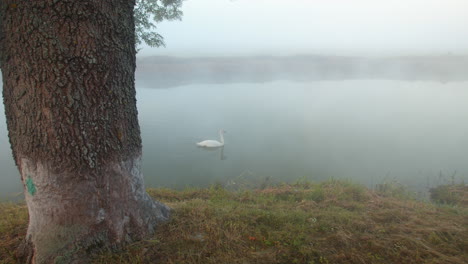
(213, 143)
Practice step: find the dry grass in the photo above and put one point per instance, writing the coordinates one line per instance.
(13, 224)
(330, 222)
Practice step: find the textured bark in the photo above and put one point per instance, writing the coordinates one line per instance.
(68, 87)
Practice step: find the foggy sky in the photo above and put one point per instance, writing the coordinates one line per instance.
(343, 27)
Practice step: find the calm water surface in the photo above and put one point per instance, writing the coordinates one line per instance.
(368, 131)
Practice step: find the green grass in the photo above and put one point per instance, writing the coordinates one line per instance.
(329, 222)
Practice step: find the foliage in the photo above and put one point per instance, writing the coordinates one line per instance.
(148, 13)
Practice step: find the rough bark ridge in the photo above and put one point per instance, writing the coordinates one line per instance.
(68, 71)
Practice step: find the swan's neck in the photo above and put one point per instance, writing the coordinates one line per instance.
(221, 136)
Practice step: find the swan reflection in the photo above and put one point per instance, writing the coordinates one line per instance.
(220, 149)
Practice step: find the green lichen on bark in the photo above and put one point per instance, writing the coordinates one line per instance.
(31, 186)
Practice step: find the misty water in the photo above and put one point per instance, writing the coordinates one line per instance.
(369, 131)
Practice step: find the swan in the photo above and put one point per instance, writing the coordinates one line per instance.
(213, 143)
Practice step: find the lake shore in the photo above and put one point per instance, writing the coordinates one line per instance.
(165, 72)
(329, 222)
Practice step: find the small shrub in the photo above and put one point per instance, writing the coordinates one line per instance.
(450, 194)
(393, 189)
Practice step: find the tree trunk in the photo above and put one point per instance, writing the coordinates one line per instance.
(68, 87)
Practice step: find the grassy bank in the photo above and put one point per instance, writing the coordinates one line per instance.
(329, 222)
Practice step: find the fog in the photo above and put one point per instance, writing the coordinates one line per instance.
(366, 90)
(358, 27)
